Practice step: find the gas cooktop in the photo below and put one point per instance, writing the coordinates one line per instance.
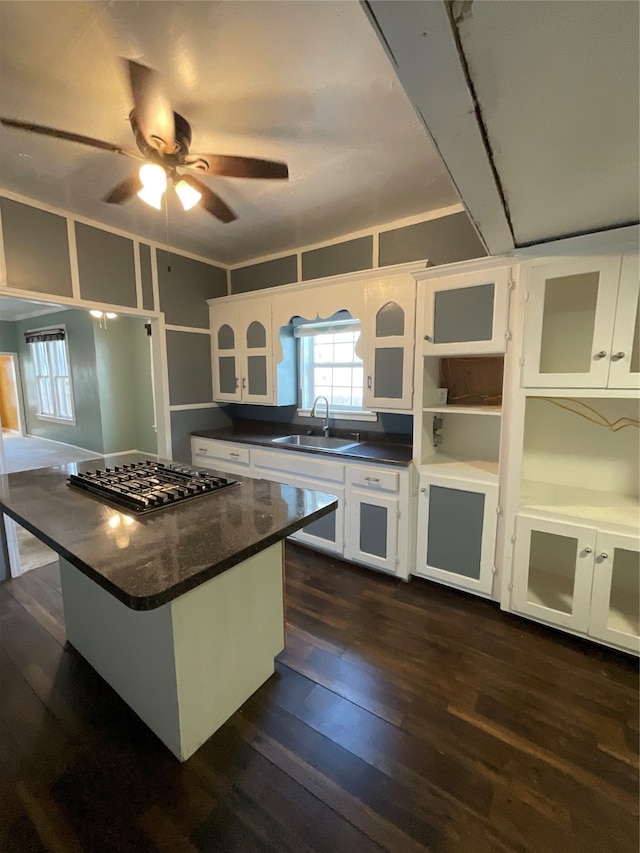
(142, 487)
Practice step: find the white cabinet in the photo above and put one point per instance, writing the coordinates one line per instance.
(222, 456)
(326, 533)
(457, 521)
(464, 313)
(389, 341)
(245, 355)
(579, 578)
(374, 516)
(581, 326)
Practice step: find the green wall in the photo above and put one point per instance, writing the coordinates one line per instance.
(87, 430)
(111, 377)
(8, 340)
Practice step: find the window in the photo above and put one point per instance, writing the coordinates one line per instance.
(329, 365)
(50, 354)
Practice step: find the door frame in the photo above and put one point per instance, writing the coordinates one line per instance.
(15, 360)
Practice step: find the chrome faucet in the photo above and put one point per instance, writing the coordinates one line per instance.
(314, 414)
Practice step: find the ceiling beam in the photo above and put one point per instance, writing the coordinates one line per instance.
(421, 42)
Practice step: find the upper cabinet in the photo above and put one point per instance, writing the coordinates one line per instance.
(581, 326)
(389, 343)
(466, 313)
(245, 367)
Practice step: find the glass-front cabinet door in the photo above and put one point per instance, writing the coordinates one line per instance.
(257, 378)
(457, 532)
(372, 529)
(389, 334)
(466, 313)
(624, 370)
(571, 308)
(225, 346)
(552, 571)
(615, 596)
(326, 533)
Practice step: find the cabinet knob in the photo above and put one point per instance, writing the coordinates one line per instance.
(600, 354)
(587, 550)
(604, 556)
(423, 489)
(617, 356)
(368, 382)
(244, 382)
(427, 337)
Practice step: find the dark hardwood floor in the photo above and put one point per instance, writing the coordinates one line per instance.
(402, 717)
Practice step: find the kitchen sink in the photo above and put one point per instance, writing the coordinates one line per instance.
(315, 442)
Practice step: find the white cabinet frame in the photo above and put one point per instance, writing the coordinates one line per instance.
(597, 376)
(500, 278)
(578, 618)
(604, 565)
(353, 549)
(484, 583)
(626, 326)
(307, 538)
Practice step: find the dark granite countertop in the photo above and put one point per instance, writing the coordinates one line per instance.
(148, 561)
(373, 447)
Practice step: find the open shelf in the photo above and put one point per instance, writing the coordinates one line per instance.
(465, 410)
(460, 468)
(578, 503)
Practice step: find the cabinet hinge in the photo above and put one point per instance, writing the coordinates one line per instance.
(398, 514)
(498, 510)
(526, 296)
(494, 570)
(508, 336)
(512, 282)
(513, 539)
(521, 362)
(510, 587)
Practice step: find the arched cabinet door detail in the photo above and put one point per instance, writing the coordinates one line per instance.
(246, 358)
(390, 313)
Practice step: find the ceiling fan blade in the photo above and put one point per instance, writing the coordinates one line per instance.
(71, 137)
(153, 110)
(236, 167)
(211, 202)
(124, 190)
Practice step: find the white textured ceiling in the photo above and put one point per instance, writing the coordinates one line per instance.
(20, 309)
(557, 86)
(303, 82)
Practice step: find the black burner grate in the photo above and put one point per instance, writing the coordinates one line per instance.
(142, 487)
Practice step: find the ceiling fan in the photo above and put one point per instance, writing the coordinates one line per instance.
(163, 138)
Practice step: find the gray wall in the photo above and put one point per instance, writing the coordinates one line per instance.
(106, 266)
(36, 248)
(443, 241)
(184, 422)
(387, 422)
(185, 285)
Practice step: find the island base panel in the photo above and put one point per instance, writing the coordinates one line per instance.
(187, 666)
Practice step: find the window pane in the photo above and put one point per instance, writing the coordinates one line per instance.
(342, 376)
(323, 353)
(45, 397)
(343, 352)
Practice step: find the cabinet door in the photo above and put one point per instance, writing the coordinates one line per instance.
(372, 531)
(552, 571)
(569, 323)
(466, 313)
(624, 371)
(226, 348)
(457, 532)
(615, 594)
(389, 345)
(257, 358)
(326, 533)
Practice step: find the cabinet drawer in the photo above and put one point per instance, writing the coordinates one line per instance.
(222, 450)
(301, 464)
(374, 478)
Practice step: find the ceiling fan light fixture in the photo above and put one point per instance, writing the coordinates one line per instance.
(154, 183)
(188, 195)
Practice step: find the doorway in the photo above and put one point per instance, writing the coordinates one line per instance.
(11, 405)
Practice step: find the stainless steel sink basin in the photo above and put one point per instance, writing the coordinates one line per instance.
(315, 442)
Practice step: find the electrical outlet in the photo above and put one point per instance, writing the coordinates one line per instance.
(441, 396)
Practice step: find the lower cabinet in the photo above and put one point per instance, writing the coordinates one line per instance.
(457, 522)
(326, 533)
(579, 578)
(373, 518)
(222, 456)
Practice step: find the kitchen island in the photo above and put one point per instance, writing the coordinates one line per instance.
(181, 611)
